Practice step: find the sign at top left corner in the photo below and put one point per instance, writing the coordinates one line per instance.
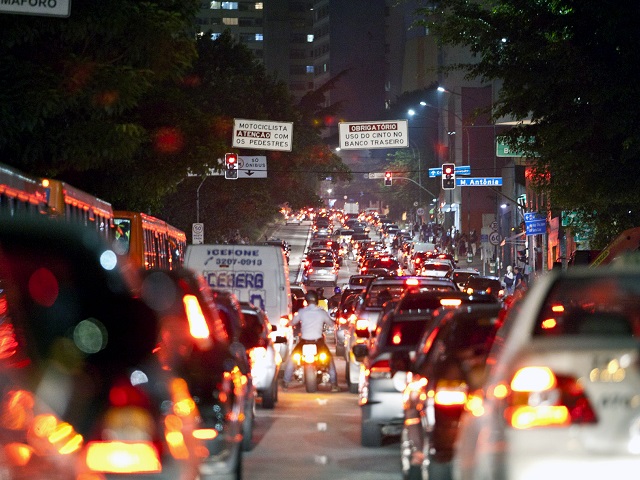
(42, 8)
(262, 135)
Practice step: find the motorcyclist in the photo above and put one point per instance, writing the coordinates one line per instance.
(334, 300)
(312, 320)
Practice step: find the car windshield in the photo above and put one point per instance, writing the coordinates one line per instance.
(603, 305)
(378, 295)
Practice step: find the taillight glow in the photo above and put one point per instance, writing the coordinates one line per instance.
(197, 324)
(396, 339)
(533, 379)
(121, 457)
(362, 324)
(450, 302)
(381, 369)
(549, 324)
(539, 398)
(412, 282)
(450, 393)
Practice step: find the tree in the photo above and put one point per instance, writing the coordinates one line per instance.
(228, 82)
(571, 67)
(68, 86)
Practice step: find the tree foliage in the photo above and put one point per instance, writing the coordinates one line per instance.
(571, 66)
(122, 101)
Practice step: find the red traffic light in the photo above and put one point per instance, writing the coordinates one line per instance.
(388, 178)
(387, 175)
(231, 158)
(448, 169)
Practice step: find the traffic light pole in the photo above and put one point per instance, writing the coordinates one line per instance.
(412, 180)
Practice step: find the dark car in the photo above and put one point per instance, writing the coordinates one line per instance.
(196, 344)
(447, 368)
(479, 285)
(383, 265)
(396, 338)
(82, 394)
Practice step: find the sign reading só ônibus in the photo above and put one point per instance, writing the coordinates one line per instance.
(371, 135)
(262, 135)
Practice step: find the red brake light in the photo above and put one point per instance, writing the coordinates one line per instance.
(197, 324)
(412, 282)
(539, 398)
(450, 393)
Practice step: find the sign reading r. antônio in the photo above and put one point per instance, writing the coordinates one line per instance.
(46, 8)
(367, 135)
(262, 135)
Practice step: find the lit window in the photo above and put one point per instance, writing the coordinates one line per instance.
(259, 6)
(215, 36)
(229, 5)
(259, 37)
(230, 21)
(309, 38)
(309, 68)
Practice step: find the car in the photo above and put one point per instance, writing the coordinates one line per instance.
(82, 389)
(461, 275)
(436, 268)
(322, 272)
(264, 358)
(440, 379)
(384, 265)
(559, 393)
(344, 315)
(481, 285)
(369, 311)
(396, 338)
(360, 282)
(298, 293)
(211, 363)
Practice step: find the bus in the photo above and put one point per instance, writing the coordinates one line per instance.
(21, 194)
(76, 206)
(147, 241)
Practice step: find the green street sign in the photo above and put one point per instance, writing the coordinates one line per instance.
(504, 150)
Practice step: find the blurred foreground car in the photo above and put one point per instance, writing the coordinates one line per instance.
(81, 393)
(561, 396)
(440, 378)
(195, 344)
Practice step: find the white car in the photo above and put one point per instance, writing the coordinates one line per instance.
(562, 394)
(264, 357)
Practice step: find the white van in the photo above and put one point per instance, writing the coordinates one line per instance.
(258, 274)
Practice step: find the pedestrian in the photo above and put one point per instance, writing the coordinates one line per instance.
(473, 239)
(509, 280)
(519, 282)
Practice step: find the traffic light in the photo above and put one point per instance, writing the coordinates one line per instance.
(388, 179)
(231, 166)
(448, 176)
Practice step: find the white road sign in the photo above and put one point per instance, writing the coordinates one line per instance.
(262, 135)
(44, 8)
(369, 135)
(197, 233)
(252, 166)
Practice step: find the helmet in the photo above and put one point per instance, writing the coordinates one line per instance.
(311, 297)
(337, 290)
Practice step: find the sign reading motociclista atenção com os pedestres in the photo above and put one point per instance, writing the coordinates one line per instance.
(367, 135)
(262, 135)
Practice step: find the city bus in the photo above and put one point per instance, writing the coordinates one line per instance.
(76, 206)
(21, 194)
(147, 241)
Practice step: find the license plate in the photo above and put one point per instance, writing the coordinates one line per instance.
(309, 349)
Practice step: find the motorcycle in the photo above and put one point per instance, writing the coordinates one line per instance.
(312, 365)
